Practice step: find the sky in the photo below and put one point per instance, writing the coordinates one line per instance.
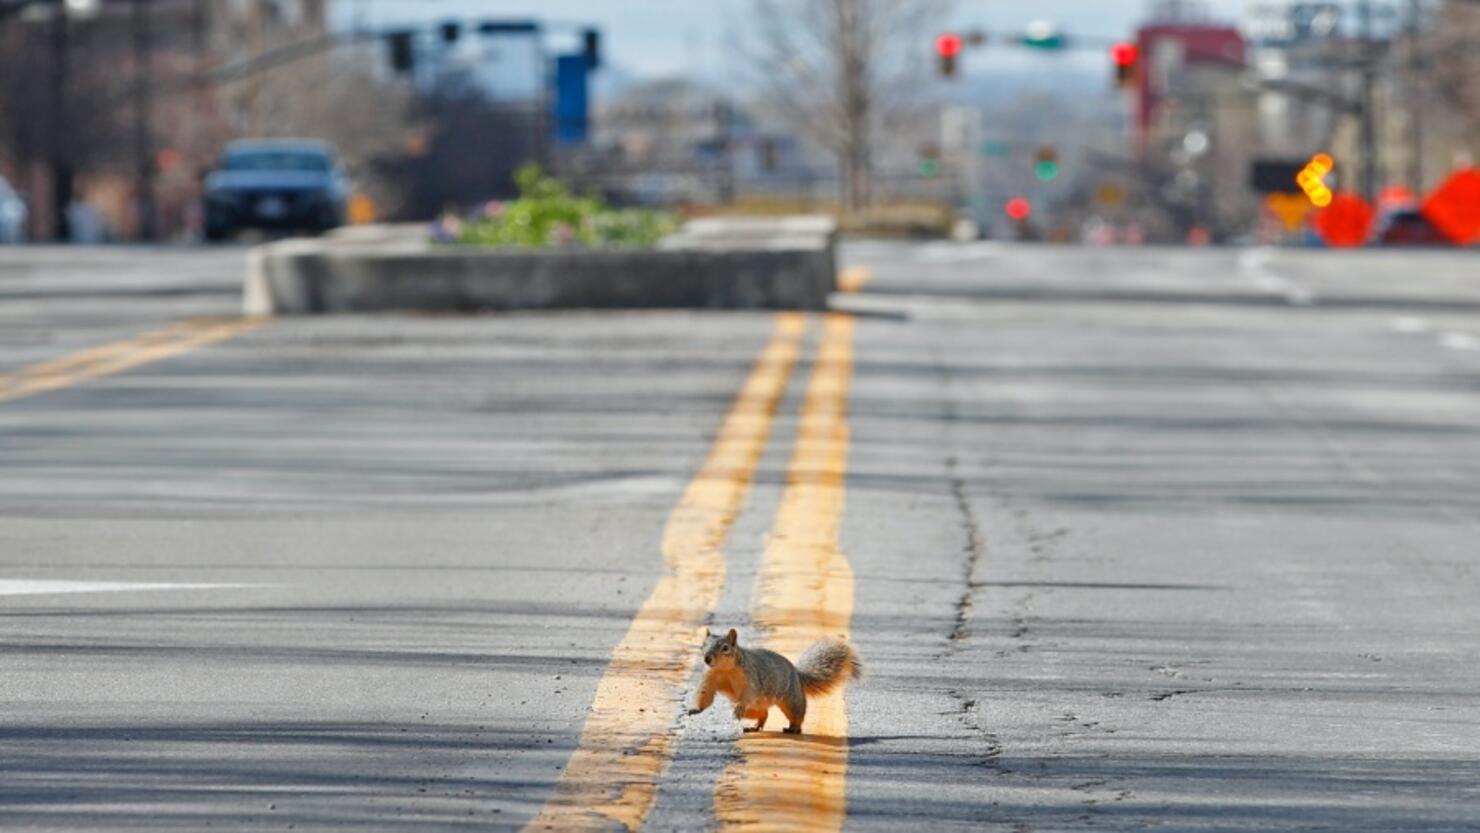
(651, 38)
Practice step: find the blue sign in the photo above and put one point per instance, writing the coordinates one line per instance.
(572, 100)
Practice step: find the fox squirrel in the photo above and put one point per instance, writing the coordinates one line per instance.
(757, 679)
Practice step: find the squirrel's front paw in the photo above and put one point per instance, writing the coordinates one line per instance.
(693, 712)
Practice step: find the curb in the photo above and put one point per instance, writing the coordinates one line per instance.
(789, 265)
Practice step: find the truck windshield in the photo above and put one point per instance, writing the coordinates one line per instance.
(276, 160)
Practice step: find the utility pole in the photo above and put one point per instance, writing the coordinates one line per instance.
(1415, 96)
(143, 145)
(256, 44)
(724, 113)
(1368, 64)
(60, 153)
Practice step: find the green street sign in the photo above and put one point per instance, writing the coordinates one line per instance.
(1050, 42)
(996, 149)
(1043, 34)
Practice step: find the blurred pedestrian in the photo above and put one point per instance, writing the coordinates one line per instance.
(85, 224)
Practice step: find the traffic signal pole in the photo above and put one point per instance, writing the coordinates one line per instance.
(1369, 99)
(1415, 96)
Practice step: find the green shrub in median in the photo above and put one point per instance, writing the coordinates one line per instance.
(547, 215)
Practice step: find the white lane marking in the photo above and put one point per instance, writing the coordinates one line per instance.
(1459, 341)
(38, 587)
(944, 252)
(1300, 296)
(1408, 324)
(1255, 262)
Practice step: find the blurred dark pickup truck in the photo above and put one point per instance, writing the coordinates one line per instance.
(277, 184)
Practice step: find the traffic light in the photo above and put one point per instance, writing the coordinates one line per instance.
(1127, 58)
(403, 53)
(948, 51)
(1046, 164)
(451, 31)
(1018, 209)
(930, 155)
(591, 47)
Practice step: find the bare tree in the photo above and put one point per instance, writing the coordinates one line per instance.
(336, 97)
(843, 71)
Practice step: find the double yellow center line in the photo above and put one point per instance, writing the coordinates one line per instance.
(806, 592)
(121, 355)
(629, 736)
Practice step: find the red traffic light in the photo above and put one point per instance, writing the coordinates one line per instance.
(1127, 58)
(948, 45)
(1019, 209)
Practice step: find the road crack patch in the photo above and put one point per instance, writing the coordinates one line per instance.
(973, 554)
(973, 550)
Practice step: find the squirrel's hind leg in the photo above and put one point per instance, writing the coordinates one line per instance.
(795, 709)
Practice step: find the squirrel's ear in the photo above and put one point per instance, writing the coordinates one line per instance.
(731, 637)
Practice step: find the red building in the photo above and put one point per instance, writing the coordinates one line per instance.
(1170, 52)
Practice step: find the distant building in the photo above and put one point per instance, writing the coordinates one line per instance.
(1196, 121)
(1429, 100)
(1294, 48)
(1185, 62)
(673, 139)
(178, 41)
(1309, 58)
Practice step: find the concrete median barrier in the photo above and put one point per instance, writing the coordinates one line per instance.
(788, 264)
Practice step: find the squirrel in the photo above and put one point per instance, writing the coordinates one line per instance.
(756, 679)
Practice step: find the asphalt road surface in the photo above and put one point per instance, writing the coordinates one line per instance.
(1127, 539)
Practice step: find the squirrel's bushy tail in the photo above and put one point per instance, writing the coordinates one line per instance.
(828, 664)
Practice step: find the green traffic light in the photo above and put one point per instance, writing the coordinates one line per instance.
(929, 167)
(1046, 171)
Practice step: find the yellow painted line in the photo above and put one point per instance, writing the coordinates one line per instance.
(854, 278)
(629, 736)
(121, 355)
(786, 782)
